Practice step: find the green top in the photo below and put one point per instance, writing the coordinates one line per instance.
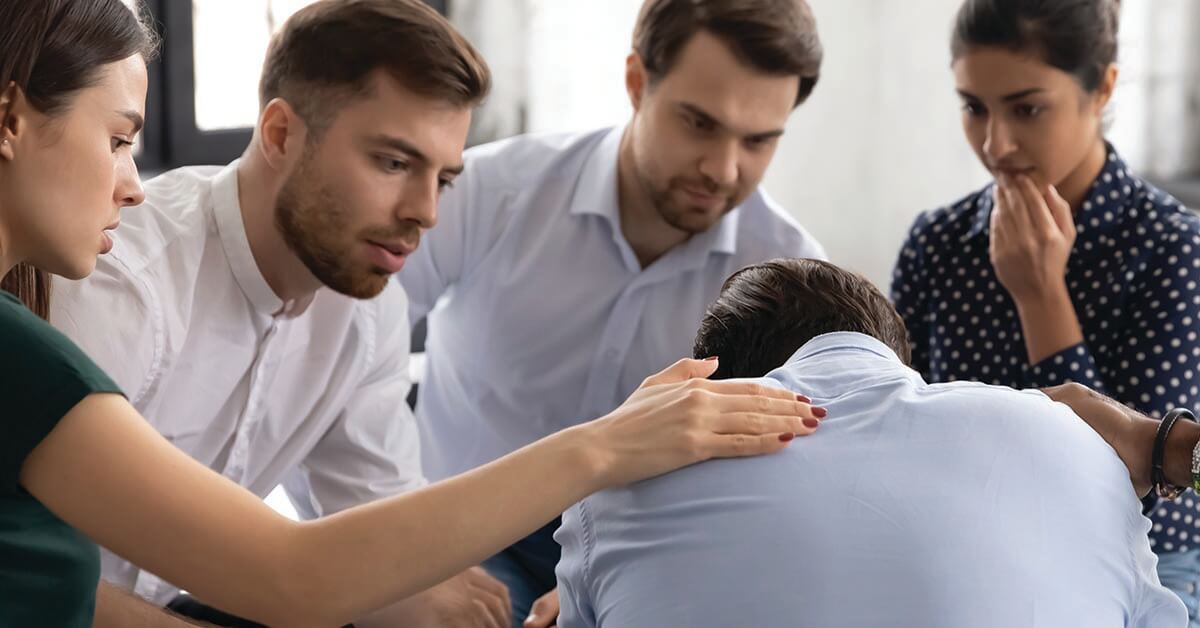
(48, 570)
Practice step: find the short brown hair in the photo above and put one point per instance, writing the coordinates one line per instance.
(766, 312)
(772, 36)
(325, 53)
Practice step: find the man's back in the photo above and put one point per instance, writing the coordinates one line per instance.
(916, 505)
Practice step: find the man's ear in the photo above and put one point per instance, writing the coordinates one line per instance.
(635, 79)
(282, 134)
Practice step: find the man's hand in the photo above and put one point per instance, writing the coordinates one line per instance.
(1130, 433)
(472, 599)
(544, 613)
(469, 600)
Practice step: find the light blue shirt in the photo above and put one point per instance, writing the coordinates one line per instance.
(548, 318)
(913, 506)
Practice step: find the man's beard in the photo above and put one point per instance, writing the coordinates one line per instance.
(684, 218)
(316, 228)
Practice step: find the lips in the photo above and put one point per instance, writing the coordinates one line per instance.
(395, 248)
(106, 241)
(389, 256)
(701, 196)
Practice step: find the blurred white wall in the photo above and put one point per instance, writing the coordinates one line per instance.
(880, 139)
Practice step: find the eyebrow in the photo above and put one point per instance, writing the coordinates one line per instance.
(1008, 97)
(134, 117)
(705, 116)
(413, 152)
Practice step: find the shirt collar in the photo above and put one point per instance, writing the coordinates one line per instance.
(227, 210)
(843, 340)
(596, 194)
(1107, 198)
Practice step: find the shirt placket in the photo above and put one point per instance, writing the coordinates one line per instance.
(609, 358)
(261, 375)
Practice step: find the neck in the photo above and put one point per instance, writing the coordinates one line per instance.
(259, 184)
(648, 234)
(1074, 188)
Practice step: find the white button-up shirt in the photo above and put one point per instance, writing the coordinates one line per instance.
(180, 316)
(549, 319)
(915, 505)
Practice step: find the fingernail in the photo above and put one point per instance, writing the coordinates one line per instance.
(787, 438)
(820, 413)
(803, 399)
(811, 423)
(711, 358)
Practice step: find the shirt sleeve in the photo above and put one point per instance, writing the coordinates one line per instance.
(910, 297)
(372, 449)
(116, 321)
(574, 595)
(467, 217)
(1073, 364)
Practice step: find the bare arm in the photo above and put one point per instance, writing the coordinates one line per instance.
(1132, 435)
(117, 609)
(109, 474)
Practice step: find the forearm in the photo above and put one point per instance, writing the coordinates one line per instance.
(1049, 324)
(117, 609)
(368, 554)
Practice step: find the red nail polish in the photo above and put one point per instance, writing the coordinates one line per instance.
(710, 358)
(787, 437)
(803, 399)
(811, 423)
(820, 413)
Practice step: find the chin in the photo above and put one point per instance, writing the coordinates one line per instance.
(78, 269)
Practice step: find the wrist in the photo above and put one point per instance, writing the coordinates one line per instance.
(583, 451)
(1044, 299)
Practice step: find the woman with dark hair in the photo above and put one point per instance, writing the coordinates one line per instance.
(1067, 267)
(78, 466)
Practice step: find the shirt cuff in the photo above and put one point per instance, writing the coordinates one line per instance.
(1073, 364)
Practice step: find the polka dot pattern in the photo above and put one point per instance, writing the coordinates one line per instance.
(1133, 279)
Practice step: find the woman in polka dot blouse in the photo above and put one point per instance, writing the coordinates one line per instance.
(1067, 267)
